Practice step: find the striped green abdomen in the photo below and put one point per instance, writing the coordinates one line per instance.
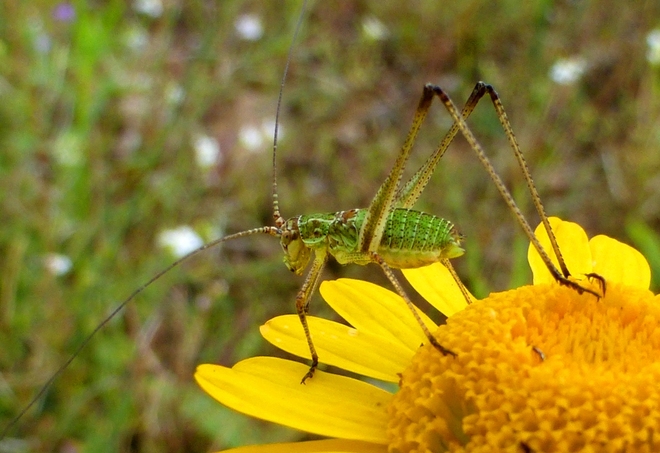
(410, 239)
(415, 239)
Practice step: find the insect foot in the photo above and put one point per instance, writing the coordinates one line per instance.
(565, 281)
(441, 348)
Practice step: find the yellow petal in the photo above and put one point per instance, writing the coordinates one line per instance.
(315, 446)
(618, 262)
(573, 245)
(328, 405)
(436, 284)
(343, 346)
(373, 309)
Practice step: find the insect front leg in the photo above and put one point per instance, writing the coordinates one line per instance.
(302, 305)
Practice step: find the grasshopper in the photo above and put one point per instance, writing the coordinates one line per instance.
(393, 235)
(388, 233)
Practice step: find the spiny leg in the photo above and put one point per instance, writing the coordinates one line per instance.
(302, 306)
(382, 204)
(412, 190)
(409, 194)
(399, 289)
(508, 131)
(483, 88)
(474, 144)
(466, 294)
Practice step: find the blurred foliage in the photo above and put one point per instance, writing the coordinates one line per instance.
(102, 104)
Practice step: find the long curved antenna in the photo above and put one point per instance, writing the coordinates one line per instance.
(279, 220)
(273, 231)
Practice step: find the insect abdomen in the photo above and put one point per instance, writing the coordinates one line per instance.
(411, 238)
(415, 239)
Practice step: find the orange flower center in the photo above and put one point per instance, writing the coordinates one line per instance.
(539, 368)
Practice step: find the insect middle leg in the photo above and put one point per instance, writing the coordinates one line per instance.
(399, 289)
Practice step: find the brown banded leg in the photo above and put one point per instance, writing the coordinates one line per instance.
(302, 306)
(466, 294)
(561, 277)
(600, 279)
(385, 200)
(412, 190)
(382, 205)
(399, 289)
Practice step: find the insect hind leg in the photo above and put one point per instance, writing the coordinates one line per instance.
(412, 190)
(562, 277)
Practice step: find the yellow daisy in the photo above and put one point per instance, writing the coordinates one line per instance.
(539, 368)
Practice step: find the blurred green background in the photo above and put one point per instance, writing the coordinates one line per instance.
(105, 108)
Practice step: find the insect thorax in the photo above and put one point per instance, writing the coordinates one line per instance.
(411, 239)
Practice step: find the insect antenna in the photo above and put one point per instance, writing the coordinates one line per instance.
(270, 230)
(279, 220)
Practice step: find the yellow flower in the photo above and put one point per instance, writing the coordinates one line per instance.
(540, 368)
